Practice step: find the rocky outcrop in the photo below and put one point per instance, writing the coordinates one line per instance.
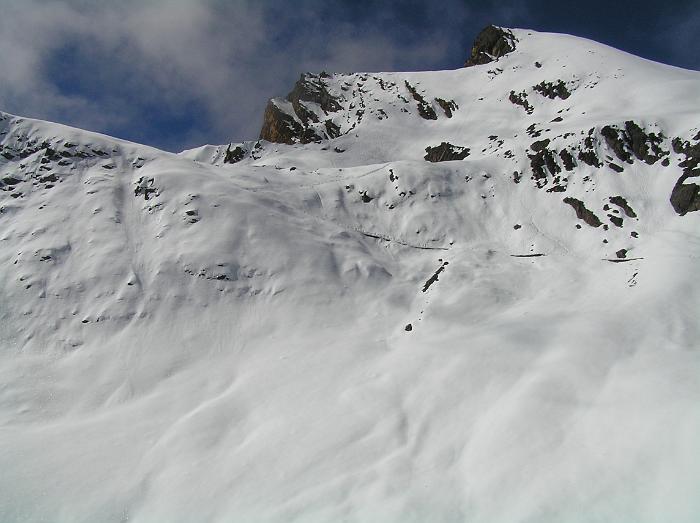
(552, 90)
(292, 119)
(545, 167)
(449, 106)
(587, 154)
(685, 197)
(425, 110)
(435, 276)
(281, 127)
(311, 88)
(446, 152)
(521, 100)
(691, 163)
(622, 203)
(490, 44)
(145, 187)
(234, 155)
(583, 213)
(568, 159)
(542, 161)
(633, 141)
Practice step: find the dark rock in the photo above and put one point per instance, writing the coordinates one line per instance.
(235, 155)
(51, 155)
(543, 162)
(582, 213)
(424, 108)
(490, 44)
(615, 167)
(145, 187)
(447, 106)
(590, 158)
(622, 253)
(622, 204)
(645, 146)
(587, 154)
(685, 197)
(434, 277)
(691, 162)
(568, 159)
(521, 100)
(445, 152)
(332, 130)
(539, 145)
(517, 226)
(10, 180)
(553, 90)
(616, 142)
(615, 220)
(281, 127)
(311, 88)
(48, 178)
(366, 198)
(632, 140)
(408, 328)
(533, 131)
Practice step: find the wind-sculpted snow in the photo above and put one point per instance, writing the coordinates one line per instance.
(427, 302)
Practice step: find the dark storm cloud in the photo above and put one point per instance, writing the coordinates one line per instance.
(181, 73)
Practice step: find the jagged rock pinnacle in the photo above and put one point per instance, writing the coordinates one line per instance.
(490, 44)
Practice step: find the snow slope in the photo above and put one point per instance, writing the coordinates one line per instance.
(188, 339)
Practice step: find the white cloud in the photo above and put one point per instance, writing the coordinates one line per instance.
(225, 57)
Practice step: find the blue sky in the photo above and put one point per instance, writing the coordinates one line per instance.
(176, 74)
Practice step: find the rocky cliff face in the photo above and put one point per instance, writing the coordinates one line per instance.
(302, 117)
(280, 126)
(490, 44)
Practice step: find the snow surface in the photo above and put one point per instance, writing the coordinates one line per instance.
(229, 344)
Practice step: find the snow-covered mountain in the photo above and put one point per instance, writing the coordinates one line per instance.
(466, 295)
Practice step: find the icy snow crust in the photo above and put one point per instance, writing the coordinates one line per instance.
(185, 340)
